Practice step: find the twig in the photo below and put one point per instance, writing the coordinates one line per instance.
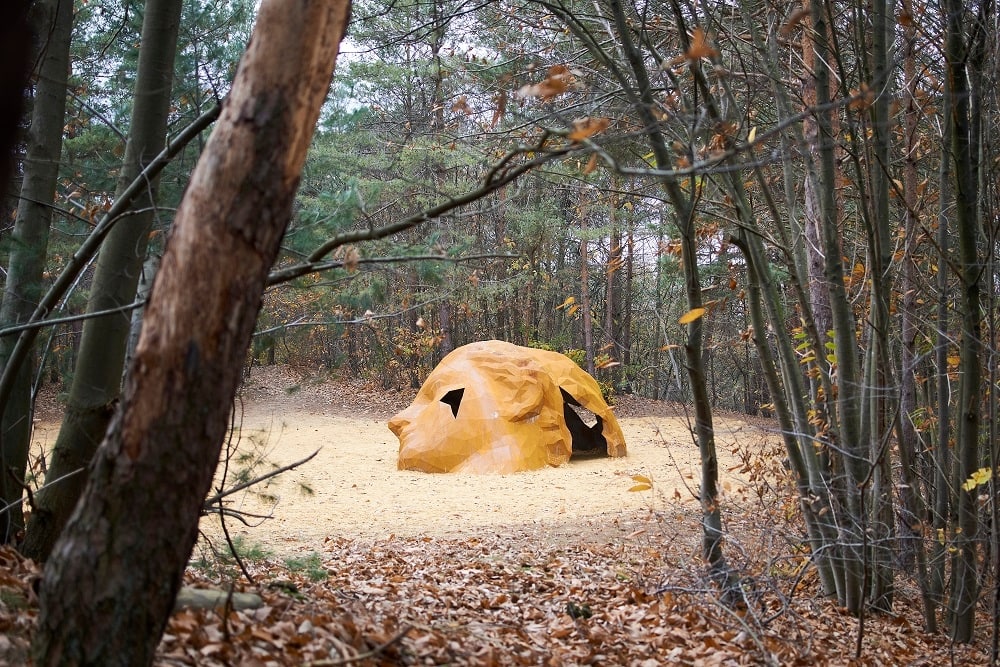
(236, 556)
(362, 656)
(44, 486)
(235, 552)
(72, 318)
(207, 506)
(241, 516)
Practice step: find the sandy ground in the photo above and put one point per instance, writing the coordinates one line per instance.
(357, 492)
(352, 489)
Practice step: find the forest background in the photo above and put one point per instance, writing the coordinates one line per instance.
(765, 207)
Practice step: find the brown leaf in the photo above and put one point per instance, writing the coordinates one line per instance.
(556, 83)
(794, 19)
(584, 128)
(700, 48)
(462, 105)
(500, 102)
(351, 258)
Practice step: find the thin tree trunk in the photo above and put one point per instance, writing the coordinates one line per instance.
(813, 498)
(684, 216)
(97, 378)
(444, 321)
(612, 298)
(965, 587)
(883, 383)
(943, 460)
(626, 324)
(29, 244)
(149, 268)
(110, 584)
(848, 386)
(913, 525)
(588, 320)
(819, 296)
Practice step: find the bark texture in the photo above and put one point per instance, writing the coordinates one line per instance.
(53, 20)
(111, 580)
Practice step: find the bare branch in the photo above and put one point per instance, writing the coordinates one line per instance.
(501, 174)
(298, 270)
(71, 318)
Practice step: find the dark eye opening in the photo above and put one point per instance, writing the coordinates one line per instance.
(454, 399)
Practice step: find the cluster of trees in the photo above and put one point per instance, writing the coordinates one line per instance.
(751, 206)
(764, 206)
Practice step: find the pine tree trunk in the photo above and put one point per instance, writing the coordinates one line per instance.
(110, 583)
(97, 377)
(29, 244)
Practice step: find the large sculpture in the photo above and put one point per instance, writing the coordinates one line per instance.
(494, 407)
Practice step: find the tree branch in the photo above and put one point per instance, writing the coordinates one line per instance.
(501, 174)
(298, 270)
(71, 318)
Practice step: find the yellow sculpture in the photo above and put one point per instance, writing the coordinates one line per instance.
(494, 407)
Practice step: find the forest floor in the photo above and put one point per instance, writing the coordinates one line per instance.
(358, 563)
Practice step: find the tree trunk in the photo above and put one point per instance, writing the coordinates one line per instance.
(15, 68)
(613, 335)
(585, 313)
(848, 400)
(880, 393)
(943, 461)
(29, 244)
(684, 217)
(98, 374)
(965, 577)
(913, 527)
(626, 324)
(110, 583)
(149, 269)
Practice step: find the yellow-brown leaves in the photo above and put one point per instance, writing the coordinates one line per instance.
(500, 107)
(586, 127)
(699, 48)
(461, 105)
(794, 19)
(558, 80)
(691, 316)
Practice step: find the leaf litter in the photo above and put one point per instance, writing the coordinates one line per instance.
(621, 589)
(516, 599)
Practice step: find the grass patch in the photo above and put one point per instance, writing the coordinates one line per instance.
(221, 563)
(310, 566)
